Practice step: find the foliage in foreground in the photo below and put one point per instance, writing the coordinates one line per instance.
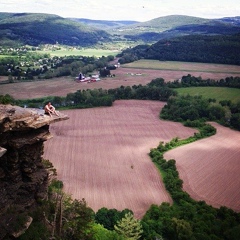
(61, 217)
(129, 227)
(108, 218)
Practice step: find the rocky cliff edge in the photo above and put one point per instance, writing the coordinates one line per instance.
(23, 178)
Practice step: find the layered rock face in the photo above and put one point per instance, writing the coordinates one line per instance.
(23, 178)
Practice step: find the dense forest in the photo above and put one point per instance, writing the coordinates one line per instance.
(210, 28)
(192, 48)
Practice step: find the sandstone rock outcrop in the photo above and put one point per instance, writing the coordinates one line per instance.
(23, 178)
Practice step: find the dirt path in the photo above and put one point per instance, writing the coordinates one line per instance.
(210, 168)
(101, 154)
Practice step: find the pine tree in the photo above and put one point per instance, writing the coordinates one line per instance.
(129, 227)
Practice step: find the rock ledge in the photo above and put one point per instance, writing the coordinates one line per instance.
(23, 178)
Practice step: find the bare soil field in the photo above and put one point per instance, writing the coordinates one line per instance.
(101, 154)
(210, 168)
(123, 77)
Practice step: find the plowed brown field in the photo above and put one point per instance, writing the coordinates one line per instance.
(124, 77)
(210, 168)
(101, 154)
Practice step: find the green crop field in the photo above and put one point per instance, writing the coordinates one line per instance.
(184, 66)
(80, 52)
(218, 93)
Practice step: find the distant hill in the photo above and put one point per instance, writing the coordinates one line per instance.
(177, 25)
(161, 24)
(104, 24)
(35, 29)
(166, 27)
(223, 49)
(233, 20)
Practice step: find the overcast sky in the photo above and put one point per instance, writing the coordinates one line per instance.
(138, 10)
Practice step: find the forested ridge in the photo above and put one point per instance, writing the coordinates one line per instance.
(18, 29)
(34, 29)
(222, 49)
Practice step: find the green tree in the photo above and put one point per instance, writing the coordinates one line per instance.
(78, 221)
(109, 217)
(101, 233)
(6, 99)
(182, 228)
(57, 101)
(216, 112)
(104, 72)
(158, 82)
(235, 120)
(129, 227)
(233, 233)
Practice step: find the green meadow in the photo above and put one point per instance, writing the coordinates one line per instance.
(218, 93)
(80, 52)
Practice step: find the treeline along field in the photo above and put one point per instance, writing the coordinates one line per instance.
(180, 108)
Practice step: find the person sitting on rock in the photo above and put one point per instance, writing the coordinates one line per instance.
(50, 109)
